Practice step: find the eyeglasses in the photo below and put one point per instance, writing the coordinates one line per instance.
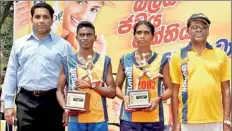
(202, 27)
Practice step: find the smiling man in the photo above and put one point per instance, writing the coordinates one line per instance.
(200, 77)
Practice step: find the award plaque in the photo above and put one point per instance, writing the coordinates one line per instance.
(139, 99)
(77, 101)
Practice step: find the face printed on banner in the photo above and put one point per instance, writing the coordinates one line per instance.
(198, 30)
(76, 11)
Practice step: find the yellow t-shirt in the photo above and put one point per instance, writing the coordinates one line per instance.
(200, 77)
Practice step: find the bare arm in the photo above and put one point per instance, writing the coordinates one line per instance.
(108, 91)
(225, 76)
(119, 82)
(60, 89)
(174, 104)
(226, 99)
(168, 92)
(176, 81)
(167, 83)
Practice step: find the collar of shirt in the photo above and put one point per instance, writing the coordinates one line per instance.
(33, 36)
(189, 46)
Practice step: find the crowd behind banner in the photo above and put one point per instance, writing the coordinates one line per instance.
(114, 21)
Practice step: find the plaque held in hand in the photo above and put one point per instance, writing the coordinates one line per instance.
(75, 100)
(139, 99)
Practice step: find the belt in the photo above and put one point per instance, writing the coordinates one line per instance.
(38, 92)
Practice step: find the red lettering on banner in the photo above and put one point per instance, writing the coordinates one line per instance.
(147, 84)
(139, 17)
(167, 33)
(171, 32)
(125, 26)
(140, 6)
(169, 3)
(158, 37)
(154, 6)
(144, 10)
(148, 10)
(156, 20)
(183, 33)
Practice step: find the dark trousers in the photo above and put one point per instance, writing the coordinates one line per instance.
(136, 126)
(38, 113)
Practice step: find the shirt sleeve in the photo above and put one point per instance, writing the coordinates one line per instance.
(175, 68)
(10, 82)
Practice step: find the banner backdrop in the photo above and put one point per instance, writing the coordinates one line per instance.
(114, 21)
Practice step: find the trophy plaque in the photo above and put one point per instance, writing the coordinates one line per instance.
(138, 99)
(77, 101)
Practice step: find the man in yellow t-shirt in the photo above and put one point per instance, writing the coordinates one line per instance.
(200, 77)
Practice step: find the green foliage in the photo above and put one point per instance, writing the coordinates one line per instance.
(7, 37)
(6, 32)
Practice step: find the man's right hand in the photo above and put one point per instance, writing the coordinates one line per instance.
(65, 118)
(9, 115)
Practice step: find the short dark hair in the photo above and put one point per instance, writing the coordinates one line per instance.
(147, 23)
(42, 5)
(4, 69)
(85, 24)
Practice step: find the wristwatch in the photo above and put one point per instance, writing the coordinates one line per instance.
(227, 122)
